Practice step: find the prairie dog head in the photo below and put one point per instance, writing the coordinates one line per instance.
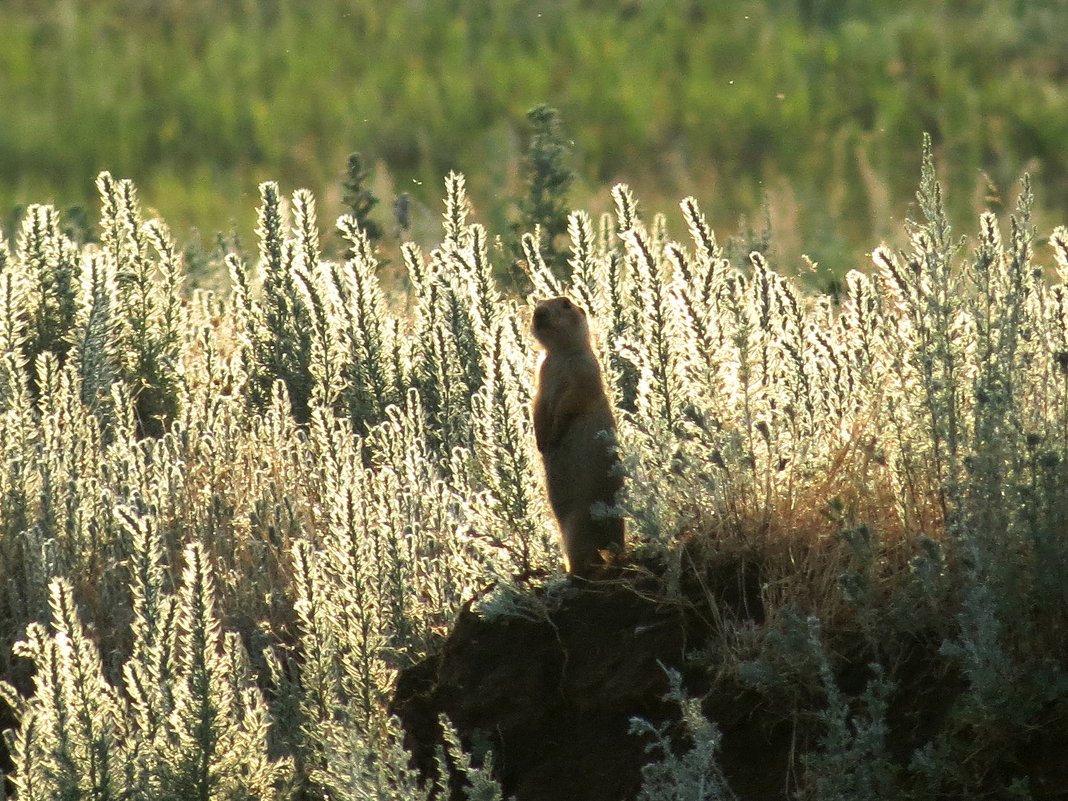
(560, 325)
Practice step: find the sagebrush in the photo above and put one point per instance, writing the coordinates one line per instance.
(228, 520)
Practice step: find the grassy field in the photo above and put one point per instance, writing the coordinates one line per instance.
(814, 108)
(229, 521)
(233, 514)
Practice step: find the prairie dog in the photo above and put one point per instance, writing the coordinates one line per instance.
(575, 432)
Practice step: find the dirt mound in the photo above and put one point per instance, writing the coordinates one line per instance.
(554, 696)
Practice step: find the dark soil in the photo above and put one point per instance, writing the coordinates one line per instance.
(553, 698)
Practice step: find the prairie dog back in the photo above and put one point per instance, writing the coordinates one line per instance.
(575, 432)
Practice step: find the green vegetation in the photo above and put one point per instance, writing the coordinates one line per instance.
(815, 106)
(545, 208)
(229, 520)
(358, 200)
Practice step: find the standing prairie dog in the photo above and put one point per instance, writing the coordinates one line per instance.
(576, 434)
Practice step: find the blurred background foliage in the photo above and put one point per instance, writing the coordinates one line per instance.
(807, 113)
